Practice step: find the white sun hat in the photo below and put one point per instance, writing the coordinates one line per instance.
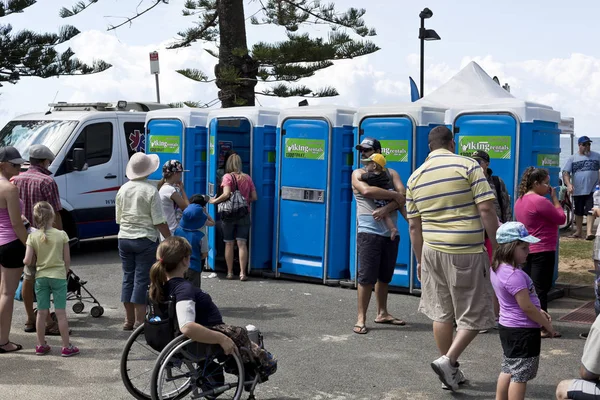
(141, 165)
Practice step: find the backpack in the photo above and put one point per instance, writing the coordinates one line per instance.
(235, 207)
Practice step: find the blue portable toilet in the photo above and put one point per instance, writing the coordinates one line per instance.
(180, 134)
(402, 130)
(250, 132)
(515, 133)
(313, 193)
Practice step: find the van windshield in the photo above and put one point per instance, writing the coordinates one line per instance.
(23, 134)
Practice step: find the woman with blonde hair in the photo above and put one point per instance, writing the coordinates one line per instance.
(236, 230)
(13, 237)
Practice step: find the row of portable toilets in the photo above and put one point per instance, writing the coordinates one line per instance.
(301, 160)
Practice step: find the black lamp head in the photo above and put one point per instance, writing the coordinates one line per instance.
(426, 13)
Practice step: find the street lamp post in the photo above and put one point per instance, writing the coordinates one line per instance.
(425, 34)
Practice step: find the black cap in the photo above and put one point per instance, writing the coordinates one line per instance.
(200, 199)
(369, 143)
(481, 155)
(11, 155)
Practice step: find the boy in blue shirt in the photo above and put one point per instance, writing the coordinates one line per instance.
(192, 226)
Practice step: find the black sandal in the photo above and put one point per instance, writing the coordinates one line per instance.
(2, 351)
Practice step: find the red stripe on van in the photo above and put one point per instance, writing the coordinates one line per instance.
(111, 189)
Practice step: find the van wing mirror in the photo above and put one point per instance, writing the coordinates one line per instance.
(78, 162)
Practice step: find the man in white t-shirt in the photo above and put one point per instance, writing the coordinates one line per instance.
(588, 387)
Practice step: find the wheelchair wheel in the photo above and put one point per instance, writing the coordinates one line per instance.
(201, 371)
(137, 361)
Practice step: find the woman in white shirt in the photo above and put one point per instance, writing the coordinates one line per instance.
(141, 219)
(172, 194)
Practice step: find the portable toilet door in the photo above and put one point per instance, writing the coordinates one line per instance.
(397, 135)
(165, 138)
(313, 190)
(180, 134)
(250, 133)
(498, 134)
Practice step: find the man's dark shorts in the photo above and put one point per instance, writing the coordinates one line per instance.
(376, 258)
(583, 204)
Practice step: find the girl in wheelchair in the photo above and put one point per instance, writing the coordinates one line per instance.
(197, 315)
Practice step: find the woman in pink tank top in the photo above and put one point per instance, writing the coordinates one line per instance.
(237, 230)
(13, 237)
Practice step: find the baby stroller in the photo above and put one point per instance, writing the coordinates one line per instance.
(74, 287)
(175, 367)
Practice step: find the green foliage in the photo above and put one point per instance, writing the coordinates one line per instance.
(300, 56)
(8, 7)
(28, 53)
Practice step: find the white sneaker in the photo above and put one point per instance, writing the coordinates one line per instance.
(460, 377)
(446, 372)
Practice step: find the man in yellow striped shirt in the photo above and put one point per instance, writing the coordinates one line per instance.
(449, 203)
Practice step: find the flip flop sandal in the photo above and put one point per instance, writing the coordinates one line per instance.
(391, 321)
(29, 328)
(17, 348)
(243, 278)
(590, 237)
(229, 276)
(362, 329)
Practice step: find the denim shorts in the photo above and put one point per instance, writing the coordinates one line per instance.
(137, 256)
(46, 286)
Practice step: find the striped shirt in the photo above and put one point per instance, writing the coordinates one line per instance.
(444, 192)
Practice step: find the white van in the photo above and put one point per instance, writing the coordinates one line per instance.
(92, 143)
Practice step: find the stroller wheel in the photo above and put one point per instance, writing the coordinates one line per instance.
(97, 311)
(78, 307)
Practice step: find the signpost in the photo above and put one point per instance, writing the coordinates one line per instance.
(155, 69)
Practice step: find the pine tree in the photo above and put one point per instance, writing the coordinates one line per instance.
(281, 64)
(27, 53)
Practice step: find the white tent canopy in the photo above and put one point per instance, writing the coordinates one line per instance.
(472, 89)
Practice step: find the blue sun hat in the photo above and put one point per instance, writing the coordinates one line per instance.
(512, 231)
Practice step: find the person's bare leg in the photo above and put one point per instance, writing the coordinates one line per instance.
(129, 313)
(364, 297)
(502, 386)
(516, 390)
(27, 293)
(243, 251)
(562, 390)
(229, 247)
(590, 224)
(459, 344)
(389, 223)
(578, 225)
(443, 333)
(140, 313)
(41, 327)
(381, 296)
(8, 287)
(63, 326)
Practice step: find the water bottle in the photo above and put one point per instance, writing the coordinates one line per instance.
(155, 319)
(252, 333)
(597, 197)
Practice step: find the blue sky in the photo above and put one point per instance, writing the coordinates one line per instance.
(545, 50)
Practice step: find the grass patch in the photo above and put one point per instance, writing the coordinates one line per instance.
(575, 248)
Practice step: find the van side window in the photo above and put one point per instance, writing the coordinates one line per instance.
(135, 137)
(97, 141)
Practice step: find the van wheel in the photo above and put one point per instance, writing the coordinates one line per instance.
(68, 224)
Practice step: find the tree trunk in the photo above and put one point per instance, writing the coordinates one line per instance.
(236, 71)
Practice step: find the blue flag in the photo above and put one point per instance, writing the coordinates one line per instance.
(414, 91)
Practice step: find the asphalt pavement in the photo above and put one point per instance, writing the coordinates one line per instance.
(308, 327)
